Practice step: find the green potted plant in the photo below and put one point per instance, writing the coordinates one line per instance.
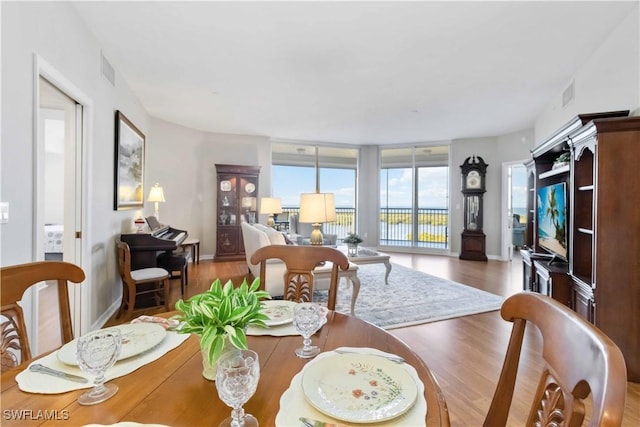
(221, 315)
(352, 240)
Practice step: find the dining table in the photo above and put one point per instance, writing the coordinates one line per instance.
(171, 390)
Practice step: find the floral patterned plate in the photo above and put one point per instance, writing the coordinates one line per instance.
(359, 388)
(280, 312)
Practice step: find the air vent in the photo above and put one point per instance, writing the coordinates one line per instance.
(567, 95)
(107, 70)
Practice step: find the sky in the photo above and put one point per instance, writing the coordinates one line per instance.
(290, 181)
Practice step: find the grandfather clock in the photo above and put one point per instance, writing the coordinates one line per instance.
(473, 187)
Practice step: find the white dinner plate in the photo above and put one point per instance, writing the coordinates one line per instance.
(359, 388)
(136, 338)
(280, 312)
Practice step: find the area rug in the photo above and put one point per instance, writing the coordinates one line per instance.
(410, 298)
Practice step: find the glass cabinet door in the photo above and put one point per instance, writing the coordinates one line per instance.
(248, 200)
(227, 201)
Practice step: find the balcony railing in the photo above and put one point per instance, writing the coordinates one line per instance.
(396, 226)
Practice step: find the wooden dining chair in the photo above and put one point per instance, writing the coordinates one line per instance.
(16, 279)
(300, 262)
(152, 282)
(579, 360)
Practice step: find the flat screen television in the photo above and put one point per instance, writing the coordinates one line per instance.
(552, 219)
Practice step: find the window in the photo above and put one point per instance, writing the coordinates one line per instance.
(294, 172)
(414, 196)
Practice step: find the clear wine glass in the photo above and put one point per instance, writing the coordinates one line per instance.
(237, 375)
(98, 351)
(307, 319)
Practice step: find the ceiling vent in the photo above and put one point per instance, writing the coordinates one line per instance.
(107, 70)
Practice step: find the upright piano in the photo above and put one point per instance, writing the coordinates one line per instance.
(145, 246)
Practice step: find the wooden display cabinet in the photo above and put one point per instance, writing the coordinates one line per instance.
(604, 262)
(601, 280)
(531, 213)
(528, 273)
(236, 202)
(552, 280)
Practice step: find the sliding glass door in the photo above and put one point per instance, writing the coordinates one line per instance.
(414, 196)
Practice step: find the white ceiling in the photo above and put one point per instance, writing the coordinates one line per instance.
(356, 72)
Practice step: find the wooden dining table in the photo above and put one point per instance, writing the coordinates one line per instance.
(172, 391)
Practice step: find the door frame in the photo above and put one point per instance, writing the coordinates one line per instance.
(80, 296)
(506, 240)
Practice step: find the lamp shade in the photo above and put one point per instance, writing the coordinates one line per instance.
(317, 207)
(270, 205)
(156, 194)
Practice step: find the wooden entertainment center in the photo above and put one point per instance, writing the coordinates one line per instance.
(587, 254)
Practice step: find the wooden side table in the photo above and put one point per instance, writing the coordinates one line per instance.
(194, 248)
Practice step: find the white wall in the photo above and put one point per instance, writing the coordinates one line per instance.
(54, 32)
(608, 81)
(494, 151)
(183, 161)
(54, 188)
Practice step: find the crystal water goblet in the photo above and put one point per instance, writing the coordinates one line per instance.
(237, 376)
(307, 319)
(97, 351)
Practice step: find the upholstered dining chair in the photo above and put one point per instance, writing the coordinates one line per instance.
(300, 262)
(16, 280)
(579, 360)
(152, 282)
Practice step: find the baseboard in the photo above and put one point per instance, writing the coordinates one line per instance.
(110, 312)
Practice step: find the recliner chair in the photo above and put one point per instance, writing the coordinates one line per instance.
(518, 230)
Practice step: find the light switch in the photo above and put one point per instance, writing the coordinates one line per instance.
(4, 212)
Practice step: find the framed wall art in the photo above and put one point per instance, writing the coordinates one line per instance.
(129, 165)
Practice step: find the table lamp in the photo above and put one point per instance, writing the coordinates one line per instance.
(270, 206)
(317, 208)
(156, 195)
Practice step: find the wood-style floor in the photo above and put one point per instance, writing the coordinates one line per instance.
(465, 353)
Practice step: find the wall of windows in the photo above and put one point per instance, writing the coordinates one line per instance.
(414, 196)
(294, 172)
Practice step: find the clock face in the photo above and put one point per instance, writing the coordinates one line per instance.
(474, 180)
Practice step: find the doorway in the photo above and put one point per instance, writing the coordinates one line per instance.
(514, 208)
(59, 203)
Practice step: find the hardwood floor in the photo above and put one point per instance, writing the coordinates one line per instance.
(465, 353)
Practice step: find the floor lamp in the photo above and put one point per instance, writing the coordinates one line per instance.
(156, 195)
(270, 206)
(317, 208)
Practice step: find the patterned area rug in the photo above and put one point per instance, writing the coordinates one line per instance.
(410, 298)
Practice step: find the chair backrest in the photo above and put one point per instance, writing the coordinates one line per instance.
(293, 223)
(516, 220)
(579, 360)
(300, 262)
(15, 281)
(124, 262)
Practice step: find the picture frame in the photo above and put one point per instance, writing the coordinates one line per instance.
(129, 164)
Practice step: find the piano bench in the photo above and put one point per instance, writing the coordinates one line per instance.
(194, 248)
(173, 262)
